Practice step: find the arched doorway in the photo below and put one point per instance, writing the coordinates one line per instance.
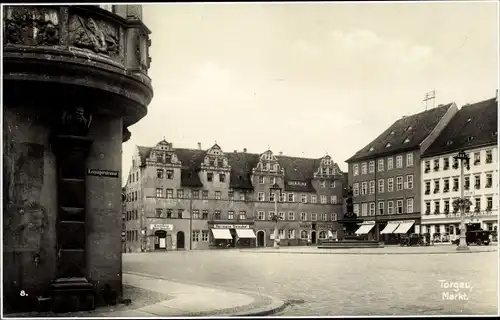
(261, 238)
(160, 240)
(313, 237)
(180, 240)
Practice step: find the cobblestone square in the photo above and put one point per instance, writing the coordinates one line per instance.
(341, 285)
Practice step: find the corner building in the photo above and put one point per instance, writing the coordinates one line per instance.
(385, 174)
(201, 199)
(474, 130)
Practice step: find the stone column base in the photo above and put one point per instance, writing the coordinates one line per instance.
(72, 294)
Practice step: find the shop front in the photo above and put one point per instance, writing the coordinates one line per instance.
(393, 230)
(232, 236)
(161, 236)
(365, 230)
(326, 231)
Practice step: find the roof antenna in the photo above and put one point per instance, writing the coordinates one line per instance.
(431, 95)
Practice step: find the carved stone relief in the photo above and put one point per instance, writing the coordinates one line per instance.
(75, 121)
(91, 34)
(31, 26)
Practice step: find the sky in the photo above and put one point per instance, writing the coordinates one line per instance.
(308, 79)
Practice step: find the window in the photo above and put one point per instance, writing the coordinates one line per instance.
(427, 187)
(381, 185)
(409, 159)
(489, 203)
(262, 180)
(314, 217)
(324, 217)
(489, 180)
(409, 205)
(196, 214)
(212, 162)
(355, 208)
(355, 189)
(333, 199)
(291, 234)
(322, 235)
(477, 158)
(477, 205)
(204, 214)
(170, 193)
(261, 196)
(446, 206)
(180, 194)
(436, 164)
(371, 166)
(159, 192)
(437, 208)
(446, 163)
(303, 216)
(222, 177)
(489, 156)
(291, 215)
(381, 208)
(261, 215)
(160, 173)
(364, 188)
(282, 234)
(170, 174)
(195, 194)
(170, 213)
(291, 197)
(303, 198)
(271, 196)
(427, 166)
(355, 169)
(323, 199)
(364, 209)
(477, 182)
(210, 176)
(372, 186)
(159, 212)
(390, 184)
(196, 236)
(180, 214)
(205, 195)
(390, 207)
(217, 215)
(409, 181)
(455, 184)
(455, 163)
(332, 184)
(399, 161)
(399, 183)
(217, 195)
(322, 184)
(204, 235)
(243, 215)
(467, 183)
(281, 215)
(390, 163)
(380, 165)
(363, 168)
(437, 186)
(282, 197)
(399, 204)
(372, 208)
(304, 234)
(243, 196)
(230, 215)
(272, 180)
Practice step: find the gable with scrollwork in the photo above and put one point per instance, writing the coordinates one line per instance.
(163, 155)
(215, 160)
(327, 169)
(268, 163)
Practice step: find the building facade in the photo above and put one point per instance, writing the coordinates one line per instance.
(385, 175)
(62, 149)
(200, 199)
(473, 130)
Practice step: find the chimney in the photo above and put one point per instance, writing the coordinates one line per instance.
(235, 151)
(281, 153)
(199, 145)
(244, 150)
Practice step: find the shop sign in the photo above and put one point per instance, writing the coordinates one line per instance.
(231, 226)
(103, 173)
(162, 226)
(368, 222)
(325, 226)
(305, 225)
(297, 183)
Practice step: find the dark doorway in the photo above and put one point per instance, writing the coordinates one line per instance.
(160, 240)
(180, 240)
(260, 238)
(313, 237)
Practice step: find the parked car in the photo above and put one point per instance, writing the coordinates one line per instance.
(412, 239)
(478, 237)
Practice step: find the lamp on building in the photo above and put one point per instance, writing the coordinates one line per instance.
(462, 203)
(276, 189)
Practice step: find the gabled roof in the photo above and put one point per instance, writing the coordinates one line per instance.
(412, 129)
(242, 163)
(473, 126)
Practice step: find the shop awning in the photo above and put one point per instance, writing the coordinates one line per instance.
(365, 228)
(222, 234)
(245, 233)
(404, 227)
(330, 234)
(390, 227)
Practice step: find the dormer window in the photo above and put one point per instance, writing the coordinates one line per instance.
(392, 132)
(406, 140)
(388, 145)
(469, 120)
(371, 149)
(470, 139)
(409, 128)
(449, 143)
